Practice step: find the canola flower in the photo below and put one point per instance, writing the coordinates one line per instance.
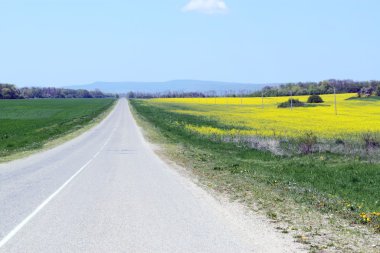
(257, 117)
(372, 218)
(365, 218)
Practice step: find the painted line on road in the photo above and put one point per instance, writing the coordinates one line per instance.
(14, 231)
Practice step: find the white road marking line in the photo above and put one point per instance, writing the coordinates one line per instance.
(14, 231)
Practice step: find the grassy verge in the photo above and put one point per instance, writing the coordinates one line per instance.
(28, 126)
(317, 198)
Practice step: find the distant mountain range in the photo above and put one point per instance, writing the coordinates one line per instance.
(176, 85)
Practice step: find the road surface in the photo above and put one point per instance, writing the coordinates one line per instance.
(107, 191)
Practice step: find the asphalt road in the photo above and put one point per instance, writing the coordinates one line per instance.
(107, 191)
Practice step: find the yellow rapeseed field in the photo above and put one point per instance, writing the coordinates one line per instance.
(261, 117)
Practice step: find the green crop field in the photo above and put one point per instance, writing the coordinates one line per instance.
(28, 124)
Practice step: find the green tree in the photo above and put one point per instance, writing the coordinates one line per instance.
(9, 91)
(315, 99)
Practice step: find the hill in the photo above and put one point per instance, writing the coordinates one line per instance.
(175, 85)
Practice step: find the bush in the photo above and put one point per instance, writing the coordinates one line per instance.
(377, 92)
(307, 142)
(370, 141)
(315, 99)
(339, 141)
(287, 104)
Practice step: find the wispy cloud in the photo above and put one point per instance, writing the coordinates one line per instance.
(206, 6)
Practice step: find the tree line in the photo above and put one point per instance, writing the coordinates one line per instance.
(362, 88)
(10, 91)
(169, 94)
(366, 88)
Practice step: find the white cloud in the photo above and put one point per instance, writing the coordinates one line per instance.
(206, 6)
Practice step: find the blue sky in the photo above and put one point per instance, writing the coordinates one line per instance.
(62, 42)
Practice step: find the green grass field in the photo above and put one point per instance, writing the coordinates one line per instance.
(324, 181)
(28, 124)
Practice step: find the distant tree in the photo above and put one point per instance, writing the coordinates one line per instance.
(131, 94)
(9, 91)
(315, 99)
(6, 93)
(366, 91)
(96, 94)
(291, 103)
